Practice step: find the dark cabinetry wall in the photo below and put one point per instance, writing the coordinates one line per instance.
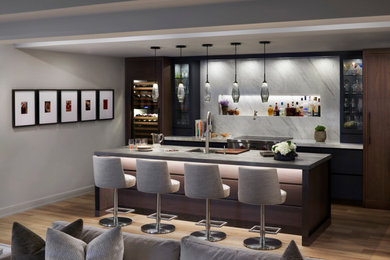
(376, 137)
(143, 69)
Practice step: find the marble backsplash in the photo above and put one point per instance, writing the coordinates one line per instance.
(307, 76)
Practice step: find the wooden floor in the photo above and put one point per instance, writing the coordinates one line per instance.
(355, 233)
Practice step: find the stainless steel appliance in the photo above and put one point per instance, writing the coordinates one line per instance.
(255, 142)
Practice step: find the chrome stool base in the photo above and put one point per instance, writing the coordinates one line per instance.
(214, 235)
(109, 222)
(152, 228)
(270, 243)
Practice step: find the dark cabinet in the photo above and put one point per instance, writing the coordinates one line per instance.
(351, 117)
(187, 110)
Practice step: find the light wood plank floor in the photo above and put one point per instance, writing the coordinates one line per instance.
(355, 233)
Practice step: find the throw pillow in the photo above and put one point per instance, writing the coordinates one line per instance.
(292, 252)
(107, 246)
(28, 245)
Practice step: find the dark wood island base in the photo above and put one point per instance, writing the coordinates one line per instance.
(306, 211)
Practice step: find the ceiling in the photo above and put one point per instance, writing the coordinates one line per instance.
(285, 38)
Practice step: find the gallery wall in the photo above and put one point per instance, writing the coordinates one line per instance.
(42, 164)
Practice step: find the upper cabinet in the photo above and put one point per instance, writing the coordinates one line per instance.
(351, 116)
(185, 86)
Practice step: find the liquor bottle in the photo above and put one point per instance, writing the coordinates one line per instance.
(270, 111)
(305, 107)
(282, 110)
(315, 107)
(288, 110)
(310, 107)
(297, 110)
(292, 109)
(319, 107)
(276, 110)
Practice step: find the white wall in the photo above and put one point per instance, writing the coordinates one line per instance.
(41, 164)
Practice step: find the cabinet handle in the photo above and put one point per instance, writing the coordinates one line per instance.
(369, 128)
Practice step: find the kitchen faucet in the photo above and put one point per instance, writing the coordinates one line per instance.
(208, 132)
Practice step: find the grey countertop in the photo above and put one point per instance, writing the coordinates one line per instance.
(303, 143)
(304, 161)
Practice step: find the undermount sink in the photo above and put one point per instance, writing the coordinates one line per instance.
(201, 150)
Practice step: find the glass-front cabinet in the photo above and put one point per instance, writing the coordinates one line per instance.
(351, 100)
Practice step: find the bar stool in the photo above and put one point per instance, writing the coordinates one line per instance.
(153, 177)
(108, 173)
(203, 181)
(260, 187)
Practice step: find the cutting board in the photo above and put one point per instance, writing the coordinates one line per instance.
(232, 151)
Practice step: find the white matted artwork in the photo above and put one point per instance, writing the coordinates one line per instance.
(88, 105)
(106, 104)
(23, 108)
(47, 104)
(69, 106)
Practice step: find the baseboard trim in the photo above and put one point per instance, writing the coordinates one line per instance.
(13, 209)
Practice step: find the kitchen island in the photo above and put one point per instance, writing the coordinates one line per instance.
(306, 180)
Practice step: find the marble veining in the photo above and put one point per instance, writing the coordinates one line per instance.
(285, 76)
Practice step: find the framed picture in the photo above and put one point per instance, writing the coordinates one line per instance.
(106, 104)
(69, 105)
(23, 107)
(47, 106)
(88, 105)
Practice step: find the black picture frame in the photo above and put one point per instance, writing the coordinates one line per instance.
(88, 110)
(24, 107)
(47, 106)
(106, 109)
(69, 106)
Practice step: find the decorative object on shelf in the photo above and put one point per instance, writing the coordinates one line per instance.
(23, 107)
(47, 106)
(69, 109)
(155, 91)
(88, 105)
(285, 151)
(106, 104)
(207, 86)
(224, 106)
(181, 91)
(235, 89)
(320, 133)
(264, 86)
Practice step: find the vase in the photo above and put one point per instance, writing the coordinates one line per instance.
(320, 136)
(224, 110)
(288, 157)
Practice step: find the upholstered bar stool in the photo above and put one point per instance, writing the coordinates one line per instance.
(108, 173)
(203, 181)
(153, 177)
(260, 187)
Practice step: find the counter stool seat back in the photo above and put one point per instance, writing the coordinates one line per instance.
(108, 173)
(260, 187)
(153, 177)
(203, 181)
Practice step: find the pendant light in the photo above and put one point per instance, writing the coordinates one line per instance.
(235, 89)
(264, 86)
(155, 91)
(181, 89)
(207, 86)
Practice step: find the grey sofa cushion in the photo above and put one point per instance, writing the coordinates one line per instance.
(28, 245)
(136, 247)
(106, 246)
(196, 249)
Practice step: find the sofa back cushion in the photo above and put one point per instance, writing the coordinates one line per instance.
(136, 247)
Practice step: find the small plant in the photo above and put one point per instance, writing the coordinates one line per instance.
(284, 148)
(224, 103)
(320, 128)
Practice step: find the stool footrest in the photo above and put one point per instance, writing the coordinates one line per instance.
(121, 210)
(268, 230)
(166, 217)
(213, 223)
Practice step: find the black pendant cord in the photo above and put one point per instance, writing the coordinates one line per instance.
(235, 63)
(207, 64)
(264, 64)
(155, 64)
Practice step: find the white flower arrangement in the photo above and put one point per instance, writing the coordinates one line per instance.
(284, 148)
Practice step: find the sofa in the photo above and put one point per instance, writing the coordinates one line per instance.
(147, 247)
